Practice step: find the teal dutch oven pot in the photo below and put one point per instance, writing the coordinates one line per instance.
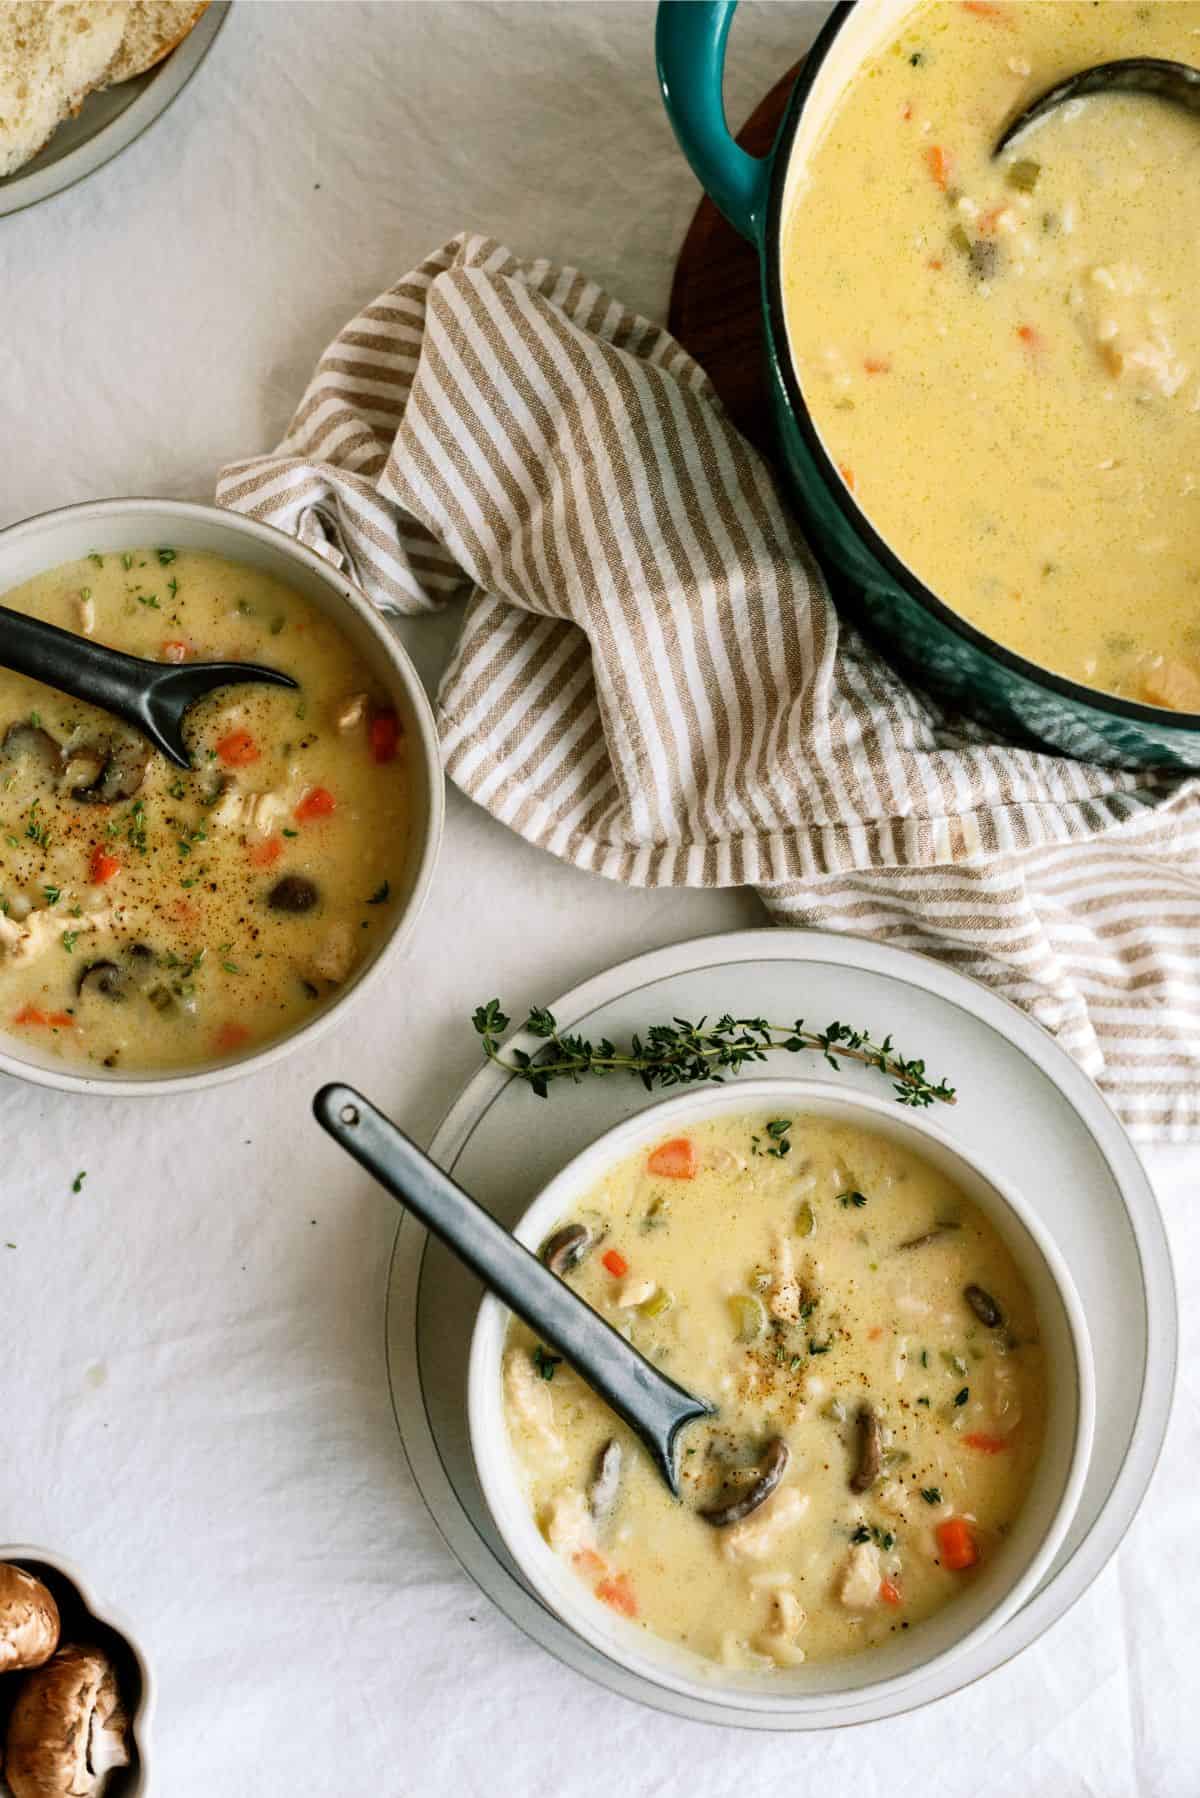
(910, 623)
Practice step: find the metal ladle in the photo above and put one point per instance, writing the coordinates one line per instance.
(654, 1407)
(1173, 81)
(152, 696)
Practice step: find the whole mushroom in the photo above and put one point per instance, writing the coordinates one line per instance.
(29, 1622)
(67, 1729)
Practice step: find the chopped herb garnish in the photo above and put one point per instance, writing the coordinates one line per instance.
(1023, 175)
(69, 940)
(545, 1363)
(148, 599)
(53, 895)
(172, 586)
(77, 1182)
(861, 1534)
(924, 1357)
(35, 718)
(177, 790)
(917, 58)
(93, 556)
(85, 593)
(818, 1348)
(931, 1494)
(127, 561)
(884, 1538)
(166, 557)
(923, 1401)
(381, 893)
(291, 833)
(962, 1395)
(231, 967)
(857, 1199)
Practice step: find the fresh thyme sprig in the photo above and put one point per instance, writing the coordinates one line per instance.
(681, 1053)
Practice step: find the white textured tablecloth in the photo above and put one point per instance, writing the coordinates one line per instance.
(191, 1364)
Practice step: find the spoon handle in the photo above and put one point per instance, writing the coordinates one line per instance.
(653, 1406)
(75, 665)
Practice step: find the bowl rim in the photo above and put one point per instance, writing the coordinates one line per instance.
(492, 1456)
(431, 777)
(771, 260)
(140, 1720)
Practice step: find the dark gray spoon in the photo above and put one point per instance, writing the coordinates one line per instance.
(152, 696)
(654, 1407)
(1174, 81)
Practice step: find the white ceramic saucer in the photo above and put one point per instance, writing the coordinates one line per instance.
(1023, 1107)
(111, 119)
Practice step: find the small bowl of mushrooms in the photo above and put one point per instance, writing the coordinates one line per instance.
(75, 1689)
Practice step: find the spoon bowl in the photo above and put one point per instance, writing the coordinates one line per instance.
(654, 1407)
(1176, 82)
(154, 697)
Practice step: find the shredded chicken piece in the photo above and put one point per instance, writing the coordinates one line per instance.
(533, 1407)
(893, 1499)
(755, 1537)
(783, 1294)
(787, 1618)
(858, 1587)
(1005, 1396)
(635, 1292)
(350, 712)
(569, 1526)
(85, 610)
(335, 957)
(44, 927)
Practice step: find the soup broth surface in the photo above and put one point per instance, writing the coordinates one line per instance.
(152, 918)
(820, 1297)
(1003, 356)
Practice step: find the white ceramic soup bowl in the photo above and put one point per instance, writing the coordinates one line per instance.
(51, 538)
(1003, 1585)
(88, 1619)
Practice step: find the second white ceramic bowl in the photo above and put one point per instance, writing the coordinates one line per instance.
(52, 538)
(1004, 1584)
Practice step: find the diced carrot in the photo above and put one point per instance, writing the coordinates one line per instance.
(383, 736)
(877, 365)
(985, 9)
(102, 866)
(231, 1036)
(847, 475)
(176, 650)
(987, 1445)
(238, 749)
(266, 854)
(184, 911)
(61, 1020)
(939, 164)
(616, 1263)
(618, 1592)
(875, 1333)
(889, 1591)
(1030, 337)
(956, 1544)
(935, 262)
(52, 1020)
(318, 802)
(674, 1160)
(906, 111)
(29, 1014)
(586, 1560)
(987, 222)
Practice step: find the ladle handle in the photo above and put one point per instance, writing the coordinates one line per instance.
(653, 1406)
(75, 665)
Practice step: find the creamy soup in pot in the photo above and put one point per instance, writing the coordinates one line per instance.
(873, 1350)
(1003, 356)
(152, 918)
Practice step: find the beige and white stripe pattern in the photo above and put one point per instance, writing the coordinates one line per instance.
(652, 683)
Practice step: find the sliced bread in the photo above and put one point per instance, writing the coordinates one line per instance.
(152, 30)
(52, 54)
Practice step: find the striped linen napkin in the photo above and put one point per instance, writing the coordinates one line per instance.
(652, 683)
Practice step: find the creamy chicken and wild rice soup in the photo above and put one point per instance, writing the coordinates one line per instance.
(1003, 355)
(151, 918)
(873, 1350)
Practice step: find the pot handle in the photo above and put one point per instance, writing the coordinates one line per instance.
(690, 38)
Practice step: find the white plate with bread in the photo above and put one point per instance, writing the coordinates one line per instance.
(81, 79)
